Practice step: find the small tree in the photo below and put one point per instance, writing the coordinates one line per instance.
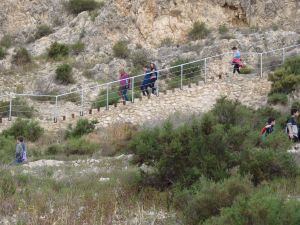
(199, 31)
(64, 74)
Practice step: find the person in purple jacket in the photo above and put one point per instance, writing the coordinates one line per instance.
(124, 84)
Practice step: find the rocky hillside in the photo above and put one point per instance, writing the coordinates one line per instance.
(158, 28)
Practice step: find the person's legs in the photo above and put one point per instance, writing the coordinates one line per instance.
(144, 90)
(124, 94)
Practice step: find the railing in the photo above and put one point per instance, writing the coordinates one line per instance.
(51, 107)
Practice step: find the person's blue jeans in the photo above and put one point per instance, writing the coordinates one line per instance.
(124, 94)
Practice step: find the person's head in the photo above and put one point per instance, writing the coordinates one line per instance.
(20, 139)
(152, 66)
(271, 121)
(121, 71)
(294, 112)
(234, 49)
(146, 68)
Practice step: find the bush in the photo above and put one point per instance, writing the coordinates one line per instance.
(199, 31)
(21, 57)
(286, 79)
(83, 126)
(7, 149)
(20, 108)
(246, 70)
(278, 98)
(79, 146)
(54, 149)
(64, 74)
(58, 51)
(77, 48)
(6, 41)
(113, 98)
(262, 207)
(167, 42)
(30, 130)
(223, 29)
(266, 164)
(78, 6)
(206, 198)
(8, 185)
(2, 53)
(121, 50)
(139, 58)
(43, 30)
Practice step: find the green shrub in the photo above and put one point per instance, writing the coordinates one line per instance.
(265, 164)
(6, 41)
(42, 30)
(20, 108)
(8, 186)
(246, 70)
(121, 50)
(278, 98)
(262, 207)
(7, 149)
(287, 78)
(54, 149)
(78, 6)
(21, 57)
(113, 98)
(79, 146)
(30, 130)
(139, 58)
(2, 53)
(206, 198)
(77, 48)
(199, 31)
(57, 51)
(64, 74)
(223, 29)
(83, 126)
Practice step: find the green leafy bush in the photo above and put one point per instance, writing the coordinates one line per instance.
(21, 57)
(223, 29)
(42, 30)
(83, 126)
(57, 51)
(77, 48)
(30, 130)
(199, 31)
(121, 50)
(6, 41)
(79, 146)
(206, 198)
(2, 53)
(278, 98)
(246, 70)
(7, 149)
(64, 74)
(265, 164)
(78, 6)
(20, 108)
(262, 207)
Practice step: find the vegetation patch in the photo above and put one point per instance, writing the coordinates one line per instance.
(120, 49)
(42, 31)
(21, 57)
(278, 98)
(78, 6)
(58, 51)
(199, 31)
(64, 74)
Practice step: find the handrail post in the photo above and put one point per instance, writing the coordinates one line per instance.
(107, 87)
(261, 65)
(81, 103)
(56, 109)
(181, 76)
(10, 108)
(132, 90)
(205, 70)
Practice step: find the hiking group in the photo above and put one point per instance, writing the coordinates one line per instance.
(292, 127)
(150, 77)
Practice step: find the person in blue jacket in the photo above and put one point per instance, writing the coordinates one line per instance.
(147, 81)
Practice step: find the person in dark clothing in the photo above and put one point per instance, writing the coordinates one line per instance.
(268, 129)
(153, 77)
(292, 126)
(146, 82)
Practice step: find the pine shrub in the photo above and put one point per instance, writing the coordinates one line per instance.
(64, 74)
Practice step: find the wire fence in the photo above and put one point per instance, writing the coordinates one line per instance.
(105, 96)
